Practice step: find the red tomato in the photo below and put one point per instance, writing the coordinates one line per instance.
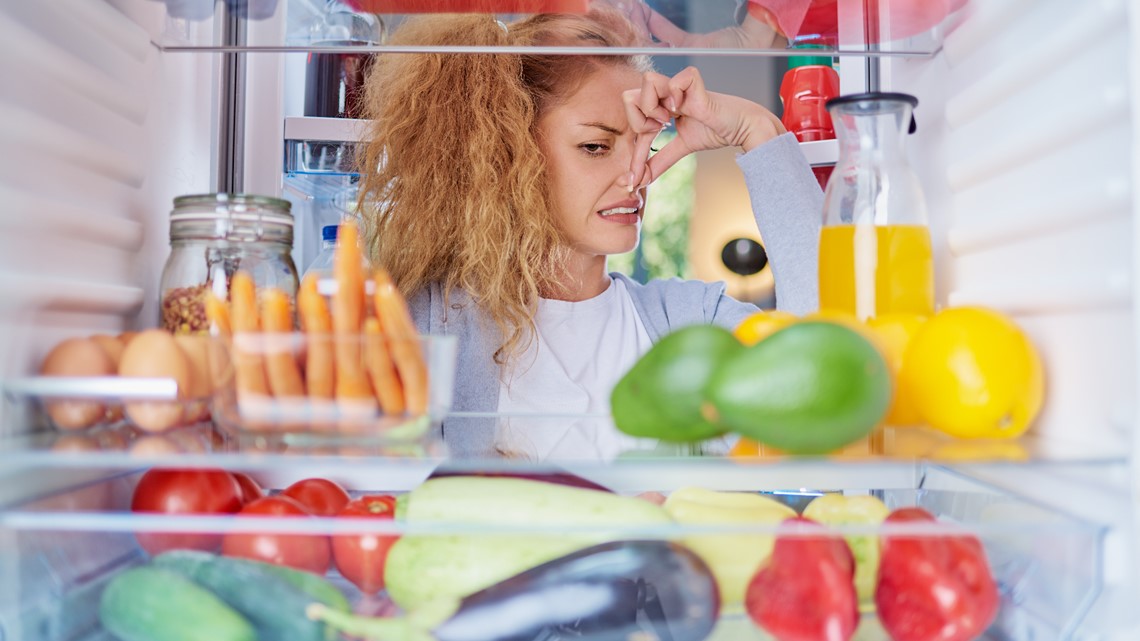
(301, 551)
(320, 496)
(184, 492)
(360, 557)
(250, 490)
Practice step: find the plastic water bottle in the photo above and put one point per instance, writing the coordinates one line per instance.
(322, 265)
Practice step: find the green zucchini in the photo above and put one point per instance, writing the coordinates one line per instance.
(153, 604)
(275, 606)
(317, 587)
(421, 568)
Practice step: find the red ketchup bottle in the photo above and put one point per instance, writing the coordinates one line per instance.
(807, 86)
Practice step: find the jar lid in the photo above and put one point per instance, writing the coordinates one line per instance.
(236, 217)
(329, 233)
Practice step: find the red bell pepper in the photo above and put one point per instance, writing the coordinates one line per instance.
(933, 587)
(806, 589)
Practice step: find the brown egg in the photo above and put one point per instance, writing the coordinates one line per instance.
(76, 357)
(197, 354)
(114, 348)
(112, 345)
(155, 354)
(154, 445)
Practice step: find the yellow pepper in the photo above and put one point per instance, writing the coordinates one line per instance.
(732, 558)
(837, 509)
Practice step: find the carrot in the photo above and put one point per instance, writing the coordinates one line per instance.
(218, 314)
(348, 316)
(280, 363)
(389, 391)
(320, 363)
(403, 341)
(244, 317)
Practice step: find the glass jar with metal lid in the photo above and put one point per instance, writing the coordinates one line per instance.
(212, 237)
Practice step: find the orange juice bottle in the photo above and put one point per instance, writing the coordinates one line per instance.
(874, 252)
(870, 270)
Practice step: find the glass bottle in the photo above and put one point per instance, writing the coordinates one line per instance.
(875, 253)
(212, 236)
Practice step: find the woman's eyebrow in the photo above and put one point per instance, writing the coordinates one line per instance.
(603, 126)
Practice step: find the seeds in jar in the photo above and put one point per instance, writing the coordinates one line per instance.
(184, 310)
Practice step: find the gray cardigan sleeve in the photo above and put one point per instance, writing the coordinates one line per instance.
(788, 205)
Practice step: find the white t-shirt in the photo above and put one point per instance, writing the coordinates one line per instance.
(570, 368)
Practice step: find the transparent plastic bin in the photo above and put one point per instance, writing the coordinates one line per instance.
(150, 405)
(64, 547)
(318, 413)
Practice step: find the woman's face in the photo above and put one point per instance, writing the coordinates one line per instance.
(588, 145)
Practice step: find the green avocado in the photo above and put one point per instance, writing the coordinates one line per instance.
(661, 395)
(810, 388)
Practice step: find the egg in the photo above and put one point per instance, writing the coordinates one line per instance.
(114, 348)
(197, 355)
(76, 357)
(155, 354)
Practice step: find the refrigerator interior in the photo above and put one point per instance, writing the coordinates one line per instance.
(1026, 148)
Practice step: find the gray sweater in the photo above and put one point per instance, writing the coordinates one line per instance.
(787, 203)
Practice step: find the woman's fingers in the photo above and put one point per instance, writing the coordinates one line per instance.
(647, 115)
(687, 94)
(665, 158)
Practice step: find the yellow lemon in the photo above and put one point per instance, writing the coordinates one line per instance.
(762, 324)
(972, 373)
(895, 332)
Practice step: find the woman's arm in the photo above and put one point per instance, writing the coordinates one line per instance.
(786, 199)
(788, 205)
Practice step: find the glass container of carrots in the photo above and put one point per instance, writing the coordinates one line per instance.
(875, 252)
(357, 369)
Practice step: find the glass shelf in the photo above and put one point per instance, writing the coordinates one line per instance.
(349, 26)
(538, 441)
(320, 155)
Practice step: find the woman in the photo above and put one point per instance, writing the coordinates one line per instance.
(504, 181)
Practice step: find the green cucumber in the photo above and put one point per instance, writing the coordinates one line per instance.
(317, 587)
(153, 604)
(274, 605)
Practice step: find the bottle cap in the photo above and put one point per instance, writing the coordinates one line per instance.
(329, 232)
(806, 60)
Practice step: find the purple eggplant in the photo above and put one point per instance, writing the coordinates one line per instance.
(549, 474)
(610, 592)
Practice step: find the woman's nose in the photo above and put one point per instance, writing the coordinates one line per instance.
(627, 177)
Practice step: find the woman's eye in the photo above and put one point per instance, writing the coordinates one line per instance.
(594, 148)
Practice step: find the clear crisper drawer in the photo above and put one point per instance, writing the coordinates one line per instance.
(59, 552)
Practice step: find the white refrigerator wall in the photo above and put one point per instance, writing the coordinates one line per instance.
(1025, 147)
(99, 130)
(1024, 150)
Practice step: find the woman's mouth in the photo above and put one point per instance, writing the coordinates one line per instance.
(621, 215)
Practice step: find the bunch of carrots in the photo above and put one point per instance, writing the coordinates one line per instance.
(352, 356)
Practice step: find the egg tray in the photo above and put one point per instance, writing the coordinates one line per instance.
(82, 403)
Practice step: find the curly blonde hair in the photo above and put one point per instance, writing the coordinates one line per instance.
(453, 185)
